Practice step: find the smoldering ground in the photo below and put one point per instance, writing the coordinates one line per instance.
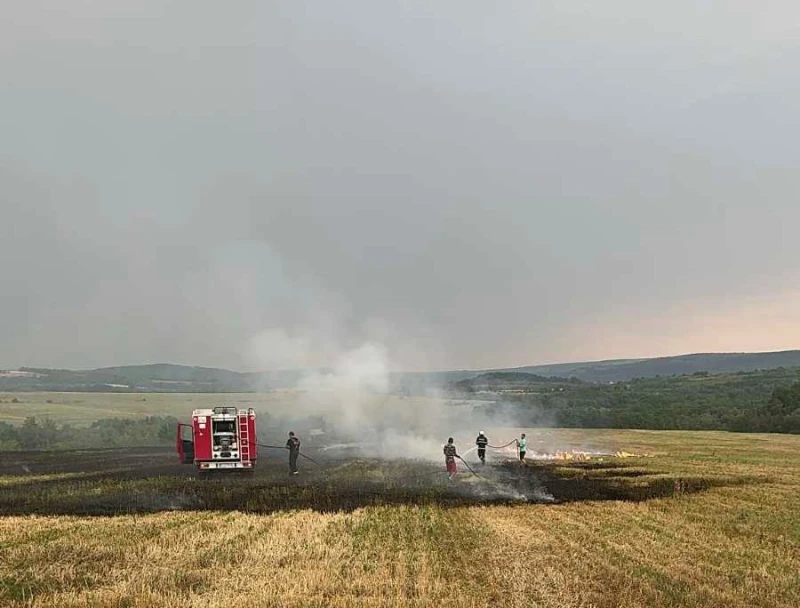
(110, 482)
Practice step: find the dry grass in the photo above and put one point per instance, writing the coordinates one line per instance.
(731, 545)
(84, 408)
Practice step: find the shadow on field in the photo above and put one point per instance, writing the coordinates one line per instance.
(112, 482)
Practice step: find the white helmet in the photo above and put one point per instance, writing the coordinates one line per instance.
(480, 432)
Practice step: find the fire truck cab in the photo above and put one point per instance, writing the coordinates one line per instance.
(219, 438)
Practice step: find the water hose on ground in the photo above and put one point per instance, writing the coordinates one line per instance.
(283, 447)
(469, 467)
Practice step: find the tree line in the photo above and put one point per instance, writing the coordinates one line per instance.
(746, 402)
(36, 434)
(781, 414)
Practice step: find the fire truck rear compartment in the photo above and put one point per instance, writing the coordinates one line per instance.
(219, 438)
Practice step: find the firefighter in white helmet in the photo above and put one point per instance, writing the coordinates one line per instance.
(482, 441)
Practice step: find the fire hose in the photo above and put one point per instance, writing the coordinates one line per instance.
(469, 467)
(283, 447)
(494, 447)
(500, 447)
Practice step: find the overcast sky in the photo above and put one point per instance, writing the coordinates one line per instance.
(470, 184)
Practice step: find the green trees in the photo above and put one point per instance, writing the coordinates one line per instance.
(36, 434)
(764, 401)
(785, 400)
(781, 414)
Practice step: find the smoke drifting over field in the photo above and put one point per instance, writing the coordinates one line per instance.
(370, 421)
(355, 398)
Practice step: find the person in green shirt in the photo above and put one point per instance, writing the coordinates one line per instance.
(522, 444)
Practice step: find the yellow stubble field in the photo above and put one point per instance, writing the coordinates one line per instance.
(706, 519)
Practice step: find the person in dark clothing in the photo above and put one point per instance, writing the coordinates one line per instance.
(450, 455)
(482, 441)
(293, 445)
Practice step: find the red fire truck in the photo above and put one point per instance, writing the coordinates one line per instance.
(219, 438)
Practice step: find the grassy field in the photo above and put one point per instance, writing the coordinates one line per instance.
(84, 408)
(710, 519)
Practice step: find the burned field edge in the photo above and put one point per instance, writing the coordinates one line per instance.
(114, 482)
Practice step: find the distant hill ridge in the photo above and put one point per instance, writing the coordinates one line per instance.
(626, 369)
(167, 377)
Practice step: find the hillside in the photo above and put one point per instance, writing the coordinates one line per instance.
(165, 377)
(627, 369)
(160, 378)
(510, 381)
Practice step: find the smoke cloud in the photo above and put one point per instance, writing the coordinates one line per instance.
(357, 397)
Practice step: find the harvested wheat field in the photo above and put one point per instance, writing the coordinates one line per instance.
(694, 519)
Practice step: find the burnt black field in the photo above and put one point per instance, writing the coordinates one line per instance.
(147, 480)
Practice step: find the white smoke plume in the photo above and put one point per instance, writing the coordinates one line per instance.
(367, 418)
(355, 396)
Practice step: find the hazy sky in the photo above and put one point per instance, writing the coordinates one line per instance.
(468, 183)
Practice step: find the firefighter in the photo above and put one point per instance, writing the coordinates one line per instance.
(482, 441)
(523, 447)
(293, 445)
(450, 455)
